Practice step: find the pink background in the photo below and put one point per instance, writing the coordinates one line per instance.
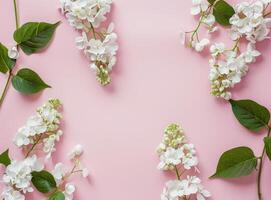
(156, 82)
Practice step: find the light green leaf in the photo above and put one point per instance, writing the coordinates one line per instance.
(223, 12)
(57, 196)
(235, 163)
(6, 63)
(28, 82)
(250, 114)
(34, 36)
(267, 144)
(43, 181)
(4, 158)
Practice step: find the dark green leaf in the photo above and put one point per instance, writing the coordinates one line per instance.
(57, 196)
(6, 63)
(250, 114)
(223, 12)
(34, 36)
(43, 181)
(235, 163)
(4, 158)
(28, 82)
(267, 144)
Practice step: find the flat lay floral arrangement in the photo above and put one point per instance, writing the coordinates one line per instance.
(246, 24)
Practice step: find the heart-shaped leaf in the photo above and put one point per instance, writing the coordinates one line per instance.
(223, 12)
(28, 82)
(57, 196)
(250, 114)
(235, 163)
(6, 63)
(43, 181)
(267, 144)
(34, 36)
(4, 158)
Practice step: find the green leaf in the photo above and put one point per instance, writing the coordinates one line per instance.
(34, 36)
(267, 144)
(43, 181)
(28, 82)
(211, 1)
(250, 114)
(236, 162)
(57, 196)
(6, 63)
(4, 158)
(223, 12)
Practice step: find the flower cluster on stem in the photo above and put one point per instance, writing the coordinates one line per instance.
(40, 132)
(178, 156)
(99, 44)
(249, 24)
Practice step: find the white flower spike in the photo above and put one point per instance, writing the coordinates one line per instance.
(175, 154)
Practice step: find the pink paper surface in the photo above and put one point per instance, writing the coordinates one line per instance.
(155, 82)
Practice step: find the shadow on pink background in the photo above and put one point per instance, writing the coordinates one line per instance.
(156, 82)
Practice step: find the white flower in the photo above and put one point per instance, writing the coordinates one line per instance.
(58, 173)
(209, 20)
(85, 172)
(10, 193)
(69, 190)
(13, 53)
(199, 46)
(76, 151)
(172, 191)
(251, 53)
(198, 7)
(217, 49)
(189, 158)
(171, 157)
(81, 41)
(18, 173)
(49, 143)
(202, 193)
(45, 121)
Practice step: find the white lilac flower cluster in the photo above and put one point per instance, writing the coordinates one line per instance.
(179, 156)
(98, 44)
(41, 129)
(228, 65)
(17, 178)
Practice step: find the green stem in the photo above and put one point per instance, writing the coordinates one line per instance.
(5, 88)
(260, 170)
(16, 14)
(3, 95)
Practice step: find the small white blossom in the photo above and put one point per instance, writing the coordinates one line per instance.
(198, 7)
(85, 172)
(217, 49)
(171, 157)
(199, 46)
(69, 190)
(13, 53)
(76, 151)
